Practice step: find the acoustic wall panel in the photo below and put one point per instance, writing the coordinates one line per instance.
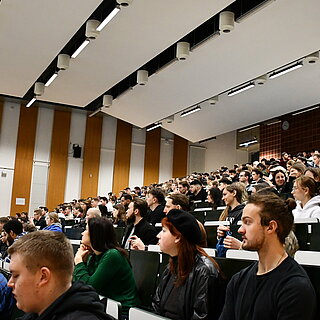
(152, 157)
(58, 158)
(180, 157)
(122, 156)
(91, 157)
(24, 160)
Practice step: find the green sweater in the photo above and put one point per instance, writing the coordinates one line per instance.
(111, 276)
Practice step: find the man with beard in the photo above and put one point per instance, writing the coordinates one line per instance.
(276, 286)
(138, 227)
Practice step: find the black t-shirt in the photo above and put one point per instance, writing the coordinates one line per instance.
(283, 293)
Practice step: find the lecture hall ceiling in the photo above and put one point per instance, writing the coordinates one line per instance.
(33, 33)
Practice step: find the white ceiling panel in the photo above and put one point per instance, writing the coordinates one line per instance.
(288, 93)
(136, 35)
(32, 33)
(264, 41)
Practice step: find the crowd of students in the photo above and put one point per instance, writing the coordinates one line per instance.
(192, 286)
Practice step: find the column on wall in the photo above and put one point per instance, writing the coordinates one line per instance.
(58, 158)
(122, 156)
(107, 152)
(24, 159)
(180, 157)
(91, 157)
(152, 157)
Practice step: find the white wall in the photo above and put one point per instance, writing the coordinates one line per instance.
(223, 152)
(108, 146)
(197, 156)
(74, 168)
(41, 159)
(138, 145)
(8, 142)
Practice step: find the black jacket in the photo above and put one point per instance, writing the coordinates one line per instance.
(200, 297)
(156, 215)
(235, 215)
(80, 302)
(143, 230)
(202, 195)
(40, 223)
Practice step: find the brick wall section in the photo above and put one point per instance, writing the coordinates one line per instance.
(270, 141)
(303, 133)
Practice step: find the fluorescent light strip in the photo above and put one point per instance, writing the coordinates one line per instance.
(256, 126)
(31, 102)
(47, 84)
(241, 89)
(275, 122)
(154, 126)
(112, 14)
(303, 111)
(245, 144)
(186, 113)
(83, 45)
(277, 74)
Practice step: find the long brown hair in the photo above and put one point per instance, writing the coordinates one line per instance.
(187, 252)
(238, 188)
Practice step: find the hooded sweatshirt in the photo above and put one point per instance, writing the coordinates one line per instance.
(54, 227)
(80, 302)
(310, 210)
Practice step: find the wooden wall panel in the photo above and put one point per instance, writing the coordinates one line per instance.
(180, 157)
(24, 158)
(91, 157)
(122, 156)
(152, 157)
(1, 110)
(58, 158)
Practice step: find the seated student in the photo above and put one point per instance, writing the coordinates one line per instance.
(175, 201)
(280, 182)
(191, 287)
(105, 266)
(38, 219)
(53, 222)
(275, 287)
(119, 215)
(41, 267)
(155, 200)
(305, 190)
(197, 192)
(215, 198)
(138, 227)
(6, 298)
(232, 196)
(313, 173)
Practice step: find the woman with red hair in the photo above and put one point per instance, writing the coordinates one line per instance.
(191, 286)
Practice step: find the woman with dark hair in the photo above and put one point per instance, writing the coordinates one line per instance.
(100, 263)
(191, 286)
(281, 184)
(119, 215)
(214, 197)
(305, 191)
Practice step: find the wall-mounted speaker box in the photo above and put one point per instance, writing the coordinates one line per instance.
(76, 151)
